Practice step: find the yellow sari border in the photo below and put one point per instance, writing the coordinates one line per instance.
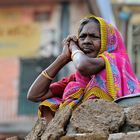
(75, 95)
(103, 34)
(52, 106)
(110, 81)
(98, 93)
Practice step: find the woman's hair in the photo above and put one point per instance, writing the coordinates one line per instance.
(84, 21)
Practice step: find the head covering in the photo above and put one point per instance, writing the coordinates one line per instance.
(118, 77)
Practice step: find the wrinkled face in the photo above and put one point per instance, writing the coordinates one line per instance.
(90, 39)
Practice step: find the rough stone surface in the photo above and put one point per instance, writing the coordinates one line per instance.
(133, 135)
(56, 128)
(97, 116)
(92, 120)
(37, 130)
(116, 136)
(132, 118)
(125, 136)
(84, 136)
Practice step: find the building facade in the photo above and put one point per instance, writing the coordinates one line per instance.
(31, 33)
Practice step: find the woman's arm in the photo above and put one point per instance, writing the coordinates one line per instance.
(85, 65)
(39, 90)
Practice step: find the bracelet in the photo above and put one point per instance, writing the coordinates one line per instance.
(45, 74)
(75, 52)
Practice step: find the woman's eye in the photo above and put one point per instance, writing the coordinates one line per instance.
(93, 36)
(96, 38)
(82, 36)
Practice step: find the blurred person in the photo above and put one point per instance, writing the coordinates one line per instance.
(103, 70)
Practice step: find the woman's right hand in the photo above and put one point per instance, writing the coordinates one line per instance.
(66, 52)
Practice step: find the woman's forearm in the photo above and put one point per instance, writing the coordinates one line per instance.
(40, 87)
(86, 65)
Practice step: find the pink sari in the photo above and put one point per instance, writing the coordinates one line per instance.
(116, 80)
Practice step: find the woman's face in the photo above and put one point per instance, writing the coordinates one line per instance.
(90, 40)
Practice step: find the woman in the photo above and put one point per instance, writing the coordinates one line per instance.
(102, 64)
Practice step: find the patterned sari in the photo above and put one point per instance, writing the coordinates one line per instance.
(116, 80)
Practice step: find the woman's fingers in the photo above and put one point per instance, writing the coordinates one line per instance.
(71, 37)
(66, 41)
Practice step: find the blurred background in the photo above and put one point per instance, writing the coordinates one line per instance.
(31, 32)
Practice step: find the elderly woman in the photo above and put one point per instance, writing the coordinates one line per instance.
(102, 64)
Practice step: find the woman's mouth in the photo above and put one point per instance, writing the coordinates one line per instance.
(87, 50)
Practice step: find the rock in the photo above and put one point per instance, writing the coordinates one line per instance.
(83, 136)
(56, 128)
(92, 120)
(133, 135)
(125, 136)
(116, 136)
(132, 118)
(37, 130)
(98, 116)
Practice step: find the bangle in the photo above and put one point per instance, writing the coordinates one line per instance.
(45, 74)
(75, 52)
